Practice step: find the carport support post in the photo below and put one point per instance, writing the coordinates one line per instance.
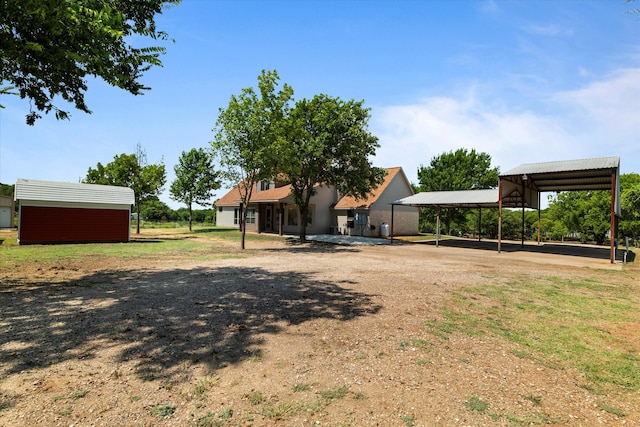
(281, 220)
(612, 236)
(499, 215)
(438, 228)
(538, 217)
(523, 202)
(391, 233)
(479, 224)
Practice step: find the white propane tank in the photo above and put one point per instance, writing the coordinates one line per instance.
(384, 230)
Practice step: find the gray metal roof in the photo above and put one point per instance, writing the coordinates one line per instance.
(452, 199)
(51, 191)
(525, 182)
(567, 175)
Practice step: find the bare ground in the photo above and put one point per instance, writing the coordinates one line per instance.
(286, 335)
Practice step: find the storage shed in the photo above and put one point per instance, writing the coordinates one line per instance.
(61, 212)
(6, 212)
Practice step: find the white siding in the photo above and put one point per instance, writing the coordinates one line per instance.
(405, 219)
(224, 218)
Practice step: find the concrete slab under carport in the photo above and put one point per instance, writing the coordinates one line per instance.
(587, 253)
(344, 240)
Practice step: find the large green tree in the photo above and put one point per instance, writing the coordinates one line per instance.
(49, 48)
(246, 134)
(588, 213)
(630, 200)
(195, 179)
(131, 170)
(328, 143)
(585, 212)
(6, 189)
(458, 170)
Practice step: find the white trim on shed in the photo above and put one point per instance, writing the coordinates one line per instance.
(66, 192)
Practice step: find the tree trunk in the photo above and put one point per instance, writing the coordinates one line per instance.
(243, 228)
(190, 216)
(304, 213)
(138, 218)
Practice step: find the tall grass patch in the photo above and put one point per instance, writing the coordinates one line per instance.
(563, 322)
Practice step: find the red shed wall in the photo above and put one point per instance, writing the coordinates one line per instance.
(40, 224)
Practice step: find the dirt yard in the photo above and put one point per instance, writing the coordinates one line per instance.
(291, 335)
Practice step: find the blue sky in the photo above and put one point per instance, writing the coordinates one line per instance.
(525, 81)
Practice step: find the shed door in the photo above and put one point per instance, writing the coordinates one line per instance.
(5, 217)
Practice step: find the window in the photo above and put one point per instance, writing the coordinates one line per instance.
(264, 185)
(251, 216)
(292, 215)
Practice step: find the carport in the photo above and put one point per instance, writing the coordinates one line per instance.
(521, 187)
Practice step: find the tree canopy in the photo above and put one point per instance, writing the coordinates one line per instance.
(131, 170)
(327, 142)
(246, 134)
(49, 48)
(455, 171)
(195, 179)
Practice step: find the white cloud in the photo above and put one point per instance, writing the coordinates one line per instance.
(548, 30)
(600, 119)
(610, 106)
(411, 135)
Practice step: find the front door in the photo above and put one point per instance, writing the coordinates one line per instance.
(268, 221)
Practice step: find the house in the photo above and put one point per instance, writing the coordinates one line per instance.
(61, 212)
(6, 212)
(272, 209)
(365, 217)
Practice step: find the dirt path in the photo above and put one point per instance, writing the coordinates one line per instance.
(288, 335)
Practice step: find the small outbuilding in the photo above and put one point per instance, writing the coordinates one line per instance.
(6, 212)
(62, 212)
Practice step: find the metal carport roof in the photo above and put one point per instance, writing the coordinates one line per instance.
(453, 199)
(521, 187)
(569, 175)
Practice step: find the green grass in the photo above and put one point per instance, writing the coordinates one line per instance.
(71, 396)
(203, 386)
(337, 393)
(301, 387)
(476, 404)
(611, 409)
(146, 246)
(255, 397)
(408, 420)
(554, 321)
(163, 410)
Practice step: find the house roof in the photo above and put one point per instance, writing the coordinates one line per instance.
(350, 202)
(274, 195)
(52, 191)
(282, 194)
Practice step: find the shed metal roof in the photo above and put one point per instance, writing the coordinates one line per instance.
(52, 191)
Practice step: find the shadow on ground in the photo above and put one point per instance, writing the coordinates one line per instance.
(163, 319)
(585, 251)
